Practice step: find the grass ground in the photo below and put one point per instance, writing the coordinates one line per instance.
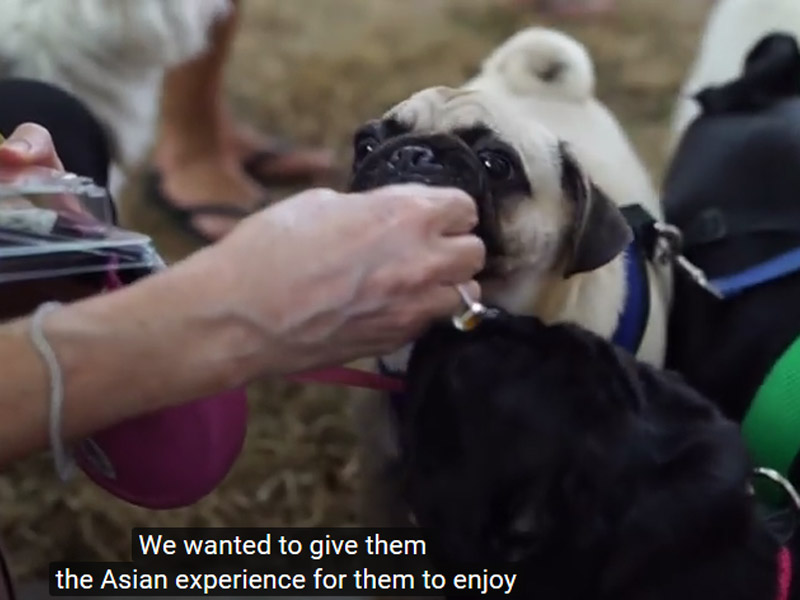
(314, 69)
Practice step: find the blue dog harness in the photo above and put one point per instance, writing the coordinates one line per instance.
(636, 311)
(635, 314)
(633, 319)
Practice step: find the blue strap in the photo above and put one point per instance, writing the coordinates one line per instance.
(775, 268)
(633, 319)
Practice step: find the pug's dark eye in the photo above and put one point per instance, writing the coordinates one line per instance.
(365, 146)
(498, 166)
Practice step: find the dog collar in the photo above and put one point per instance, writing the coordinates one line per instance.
(635, 313)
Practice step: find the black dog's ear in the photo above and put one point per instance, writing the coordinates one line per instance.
(600, 231)
(771, 74)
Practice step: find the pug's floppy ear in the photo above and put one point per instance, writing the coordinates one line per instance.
(600, 231)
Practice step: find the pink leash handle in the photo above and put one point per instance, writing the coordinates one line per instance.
(171, 458)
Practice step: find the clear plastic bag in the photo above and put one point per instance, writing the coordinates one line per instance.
(59, 241)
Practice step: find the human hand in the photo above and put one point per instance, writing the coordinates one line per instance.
(29, 145)
(325, 278)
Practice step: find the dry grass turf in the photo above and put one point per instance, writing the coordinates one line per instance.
(314, 69)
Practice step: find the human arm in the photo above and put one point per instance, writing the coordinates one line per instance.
(319, 279)
(120, 357)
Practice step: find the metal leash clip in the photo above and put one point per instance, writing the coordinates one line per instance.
(785, 484)
(669, 246)
(472, 316)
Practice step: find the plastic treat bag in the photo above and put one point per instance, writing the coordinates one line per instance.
(59, 242)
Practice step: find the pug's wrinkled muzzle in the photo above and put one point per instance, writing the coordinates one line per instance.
(438, 160)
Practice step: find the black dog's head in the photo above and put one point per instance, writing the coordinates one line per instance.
(731, 188)
(546, 446)
(537, 210)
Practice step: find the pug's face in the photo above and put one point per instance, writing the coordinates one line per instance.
(538, 213)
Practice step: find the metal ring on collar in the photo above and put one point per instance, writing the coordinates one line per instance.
(472, 316)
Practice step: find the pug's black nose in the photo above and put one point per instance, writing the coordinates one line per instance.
(413, 157)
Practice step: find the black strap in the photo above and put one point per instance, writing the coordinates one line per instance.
(643, 225)
(715, 224)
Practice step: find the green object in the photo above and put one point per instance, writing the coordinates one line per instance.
(771, 427)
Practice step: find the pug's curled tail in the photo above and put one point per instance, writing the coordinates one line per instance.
(540, 61)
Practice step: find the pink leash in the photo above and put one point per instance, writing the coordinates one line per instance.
(346, 376)
(784, 573)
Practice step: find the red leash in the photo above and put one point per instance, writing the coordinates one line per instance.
(349, 377)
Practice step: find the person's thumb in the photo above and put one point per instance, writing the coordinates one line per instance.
(29, 144)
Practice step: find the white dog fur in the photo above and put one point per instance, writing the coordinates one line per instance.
(565, 104)
(732, 29)
(112, 54)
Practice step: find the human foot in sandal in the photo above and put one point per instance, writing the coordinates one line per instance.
(208, 167)
(206, 197)
(271, 160)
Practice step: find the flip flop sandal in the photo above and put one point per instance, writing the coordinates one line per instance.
(277, 149)
(183, 217)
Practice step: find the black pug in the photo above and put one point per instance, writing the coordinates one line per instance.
(593, 476)
(733, 187)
